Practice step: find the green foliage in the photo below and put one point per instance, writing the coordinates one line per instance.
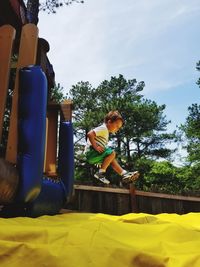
(198, 68)
(149, 124)
(167, 178)
(144, 132)
(85, 111)
(142, 140)
(56, 94)
(162, 178)
(52, 5)
(190, 176)
(191, 130)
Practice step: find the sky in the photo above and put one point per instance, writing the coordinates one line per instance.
(155, 41)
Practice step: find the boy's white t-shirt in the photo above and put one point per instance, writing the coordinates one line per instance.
(101, 138)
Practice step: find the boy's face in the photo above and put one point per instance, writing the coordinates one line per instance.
(114, 126)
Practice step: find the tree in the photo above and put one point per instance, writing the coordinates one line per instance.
(145, 125)
(85, 113)
(198, 68)
(56, 94)
(191, 129)
(84, 118)
(143, 134)
(150, 125)
(120, 94)
(163, 178)
(34, 6)
(51, 5)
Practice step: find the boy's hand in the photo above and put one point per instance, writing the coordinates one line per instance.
(99, 149)
(91, 135)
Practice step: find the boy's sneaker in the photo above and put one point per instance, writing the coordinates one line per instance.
(101, 177)
(129, 177)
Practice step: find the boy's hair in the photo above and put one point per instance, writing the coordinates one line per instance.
(113, 116)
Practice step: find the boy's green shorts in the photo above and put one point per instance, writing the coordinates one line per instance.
(94, 157)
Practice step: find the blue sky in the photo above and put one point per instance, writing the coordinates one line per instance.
(155, 41)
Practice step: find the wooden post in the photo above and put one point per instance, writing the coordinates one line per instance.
(51, 141)
(66, 110)
(7, 36)
(27, 56)
(132, 191)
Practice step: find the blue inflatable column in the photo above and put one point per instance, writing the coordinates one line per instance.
(66, 155)
(32, 131)
(50, 200)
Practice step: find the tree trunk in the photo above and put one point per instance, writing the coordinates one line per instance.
(128, 150)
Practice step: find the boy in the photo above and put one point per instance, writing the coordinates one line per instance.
(97, 151)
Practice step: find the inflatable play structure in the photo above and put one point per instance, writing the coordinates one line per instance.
(36, 178)
(36, 170)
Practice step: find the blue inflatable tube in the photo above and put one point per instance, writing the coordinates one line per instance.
(50, 200)
(66, 155)
(32, 130)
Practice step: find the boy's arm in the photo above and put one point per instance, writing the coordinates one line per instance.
(91, 135)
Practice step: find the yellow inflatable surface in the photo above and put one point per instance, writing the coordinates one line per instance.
(86, 240)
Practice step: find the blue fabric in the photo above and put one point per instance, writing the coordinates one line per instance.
(66, 155)
(50, 200)
(32, 131)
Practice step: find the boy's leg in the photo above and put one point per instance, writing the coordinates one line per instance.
(100, 175)
(116, 167)
(108, 160)
(127, 177)
(103, 160)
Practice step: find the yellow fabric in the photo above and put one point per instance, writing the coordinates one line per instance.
(86, 240)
